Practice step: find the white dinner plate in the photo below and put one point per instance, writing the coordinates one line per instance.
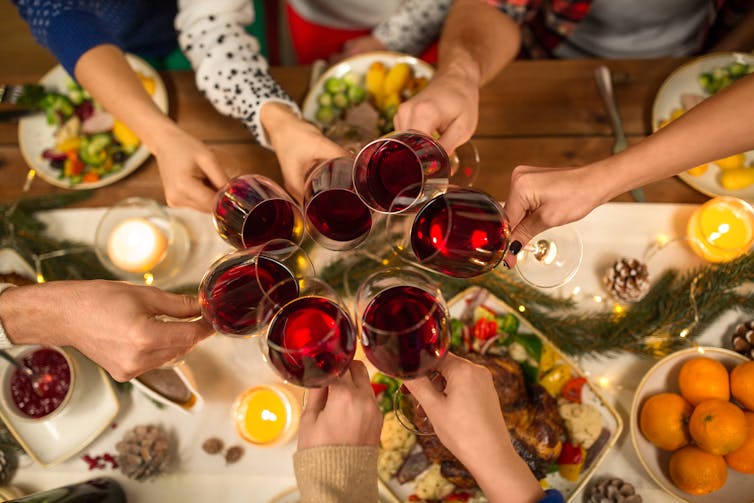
(359, 65)
(683, 80)
(663, 377)
(35, 135)
(89, 411)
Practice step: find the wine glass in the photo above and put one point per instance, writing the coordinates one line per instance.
(251, 210)
(403, 322)
(464, 232)
(401, 163)
(310, 339)
(405, 333)
(464, 165)
(336, 217)
(233, 287)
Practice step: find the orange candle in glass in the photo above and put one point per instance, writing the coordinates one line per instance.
(721, 229)
(266, 415)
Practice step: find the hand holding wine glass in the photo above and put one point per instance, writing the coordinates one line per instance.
(483, 445)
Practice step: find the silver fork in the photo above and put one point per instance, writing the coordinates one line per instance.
(605, 86)
(10, 93)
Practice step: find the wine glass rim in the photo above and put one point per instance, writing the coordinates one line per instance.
(438, 304)
(334, 331)
(388, 139)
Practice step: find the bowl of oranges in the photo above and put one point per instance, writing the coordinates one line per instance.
(692, 425)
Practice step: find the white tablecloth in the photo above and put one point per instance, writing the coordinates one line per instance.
(224, 367)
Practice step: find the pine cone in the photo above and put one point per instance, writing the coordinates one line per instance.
(742, 339)
(143, 453)
(612, 491)
(627, 280)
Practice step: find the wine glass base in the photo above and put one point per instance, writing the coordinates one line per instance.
(555, 266)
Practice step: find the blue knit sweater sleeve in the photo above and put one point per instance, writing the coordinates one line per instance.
(552, 496)
(67, 28)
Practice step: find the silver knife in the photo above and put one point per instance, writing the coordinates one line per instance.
(16, 114)
(605, 86)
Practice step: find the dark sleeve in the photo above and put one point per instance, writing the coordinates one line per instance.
(67, 29)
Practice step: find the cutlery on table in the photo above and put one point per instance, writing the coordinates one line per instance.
(23, 95)
(605, 86)
(40, 383)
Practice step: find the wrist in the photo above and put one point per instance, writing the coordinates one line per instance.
(460, 66)
(157, 133)
(277, 117)
(28, 313)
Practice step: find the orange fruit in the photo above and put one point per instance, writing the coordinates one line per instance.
(664, 421)
(718, 427)
(703, 378)
(742, 459)
(697, 472)
(742, 384)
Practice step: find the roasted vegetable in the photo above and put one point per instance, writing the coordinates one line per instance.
(57, 107)
(396, 78)
(736, 179)
(375, 78)
(334, 85)
(93, 149)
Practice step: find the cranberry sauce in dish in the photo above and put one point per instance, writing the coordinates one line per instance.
(52, 389)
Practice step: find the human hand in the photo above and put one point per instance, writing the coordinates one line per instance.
(299, 145)
(541, 198)
(344, 413)
(448, 105)
(468, 420)
(359, 45)
(113, 323)
(190, 171)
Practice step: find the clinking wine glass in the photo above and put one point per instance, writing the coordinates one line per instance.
(464, 232)
(251, 210)
(402, 163)
(404, 326)
(309, 340)
(233, 287)
(336, 218)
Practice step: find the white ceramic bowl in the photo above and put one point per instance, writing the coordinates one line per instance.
(663, 377)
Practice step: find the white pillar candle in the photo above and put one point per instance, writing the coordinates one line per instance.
(136, 245)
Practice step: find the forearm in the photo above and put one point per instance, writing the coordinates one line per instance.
(716, 128)
(28, 313)
(477, 41)
(106, 74)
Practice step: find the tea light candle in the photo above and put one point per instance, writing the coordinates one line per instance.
(266, 415)
(721, 229)
(136, 245)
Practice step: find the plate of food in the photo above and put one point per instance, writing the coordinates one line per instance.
(569, 427)
(686, 87)
(692, 425)
(355, 100)
(75, 143)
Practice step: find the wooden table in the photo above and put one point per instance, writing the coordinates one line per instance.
(544, 113)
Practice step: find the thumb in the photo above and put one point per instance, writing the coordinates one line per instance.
(427, 393)
(453, 137)
(530, 226)
(316, 398)
(210, 166)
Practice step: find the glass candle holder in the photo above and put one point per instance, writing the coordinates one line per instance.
(139, 241)
(721, 229)
(266, 415)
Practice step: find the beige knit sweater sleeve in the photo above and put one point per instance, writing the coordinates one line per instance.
(337, 474)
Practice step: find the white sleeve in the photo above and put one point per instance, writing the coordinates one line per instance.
(413, 26)
(230, 72)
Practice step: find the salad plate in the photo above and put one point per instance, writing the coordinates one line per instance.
(686, 86)
(38, 139)
(484, 327)
(89, 411)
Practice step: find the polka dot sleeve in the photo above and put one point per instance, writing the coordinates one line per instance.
(230, 72)
(414, 26)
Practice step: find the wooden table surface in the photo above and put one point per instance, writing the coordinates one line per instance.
(545, 113)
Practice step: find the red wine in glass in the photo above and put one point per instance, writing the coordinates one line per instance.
(311, 341)
(398, 165)
(405, 331)
(337, 218)
(231, 293)
(461, 233)
(252, 210)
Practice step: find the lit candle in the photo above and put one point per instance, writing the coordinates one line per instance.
(266, 415)
(136, 245)
(721, 229)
